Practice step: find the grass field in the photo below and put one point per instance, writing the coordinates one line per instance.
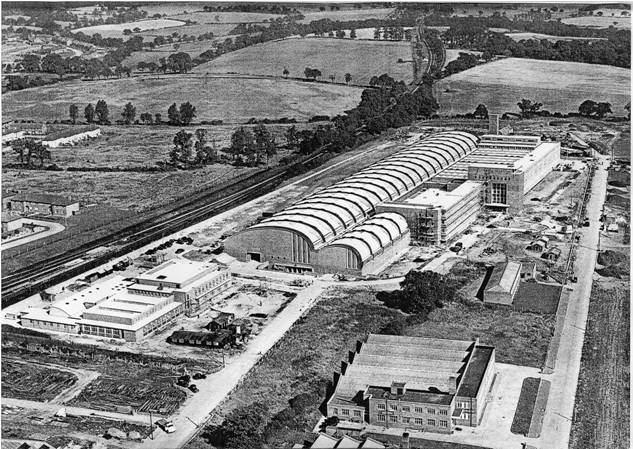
(223, 17)
(602, 408)
(362, 59)
(622, 146)
(232, 100)
(219, 30)
(600, 22)
(560, 86)
(521, 36)
(345, 14)
(116, 29)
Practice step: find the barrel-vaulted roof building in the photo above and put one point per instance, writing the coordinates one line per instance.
(337, 230)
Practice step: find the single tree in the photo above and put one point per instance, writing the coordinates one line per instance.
(182, 150)
(292, 137)
(348, 77)
(73, 111)
(332, 77)
(243, 146)
(187, 113)
(528, 109)
(481, 111)
(286, 72)
(129, 112)
(587, 108)
(352, 33)
(101, 111)
(603, 109)
(173, 115)
(158, 118)
(89, 113)
(264, 143)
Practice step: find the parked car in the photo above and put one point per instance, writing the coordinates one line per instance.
(166, 425)
(193, 388)
(199, 376)
(180, 250)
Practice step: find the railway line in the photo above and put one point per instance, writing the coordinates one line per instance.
(23, 283)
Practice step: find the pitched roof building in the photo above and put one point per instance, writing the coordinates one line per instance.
(503, 283)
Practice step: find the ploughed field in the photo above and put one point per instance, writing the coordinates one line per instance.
(232, 100)
(561, 86)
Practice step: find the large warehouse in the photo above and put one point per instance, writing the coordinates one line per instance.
(430, 191)
(337, 229)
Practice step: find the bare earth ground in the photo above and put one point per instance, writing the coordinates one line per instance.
(601, 414)
(560, 86)
(232, 100)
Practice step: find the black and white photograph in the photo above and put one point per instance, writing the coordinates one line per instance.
(315, 225)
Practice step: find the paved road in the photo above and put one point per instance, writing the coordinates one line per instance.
(557, 421)
(217, 386)
(53, 228)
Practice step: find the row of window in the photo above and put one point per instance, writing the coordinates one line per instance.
(346, 412)
(102, 331)
(417, 421)
(406, 408)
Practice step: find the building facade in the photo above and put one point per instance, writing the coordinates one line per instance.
(419, 384)
(43, 203)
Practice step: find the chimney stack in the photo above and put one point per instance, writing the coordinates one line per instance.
(452, 384)
(493, 124)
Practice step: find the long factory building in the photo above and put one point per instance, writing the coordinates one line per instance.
(430, 191)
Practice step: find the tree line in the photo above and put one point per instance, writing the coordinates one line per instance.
(99, 113)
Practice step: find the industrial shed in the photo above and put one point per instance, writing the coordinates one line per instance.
(337, 229)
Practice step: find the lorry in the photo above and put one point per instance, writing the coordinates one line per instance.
(166, 425)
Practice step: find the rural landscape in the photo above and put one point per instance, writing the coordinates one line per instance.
(242, 225)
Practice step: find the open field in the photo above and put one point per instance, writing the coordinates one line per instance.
(523, 36)
(622, 147)
(600, 22)
(560, 86)
(219, 30)
(116, 29)
(224, 17)
(602, 408)
(345, 14)
(232, 100)
(362, 59)
(33, 382)
(194, 49)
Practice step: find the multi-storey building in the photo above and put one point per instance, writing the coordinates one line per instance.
(422, 384)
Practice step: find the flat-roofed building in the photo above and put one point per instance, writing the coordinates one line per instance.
(423, 384)
(435, 215)
(192, 283)
(503, 284)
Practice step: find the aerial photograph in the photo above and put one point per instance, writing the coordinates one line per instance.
(303, 225)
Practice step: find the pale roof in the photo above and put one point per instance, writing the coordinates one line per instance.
(536, 155)
(503, 278)
(360, 193)
(179, 271)
(324, 441)
(74, 305)
(442, 198)
(137, 325)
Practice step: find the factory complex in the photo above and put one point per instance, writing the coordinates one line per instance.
(422, 384)
(428, 192)
(132, 309)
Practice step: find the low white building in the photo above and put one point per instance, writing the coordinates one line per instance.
(71, 136)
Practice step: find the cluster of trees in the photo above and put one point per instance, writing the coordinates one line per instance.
(463, 62)
(29, 150)
(192, 149)
(251, 148)
(19, 82)
(528, 108)
(420, 293)
(312, 73)
(590, 108)
(392, 33)
(93, 114)
(181, 116)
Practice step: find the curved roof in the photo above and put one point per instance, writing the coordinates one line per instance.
(369, 238)
(329, 213)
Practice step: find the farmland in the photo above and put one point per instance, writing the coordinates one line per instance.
(362, 59)
(600, 22)
(523, 36)
(602, 408)
(311, 15)
(560, 86)
(232, 100)
(116, 29)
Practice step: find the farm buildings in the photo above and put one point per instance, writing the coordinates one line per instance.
(42, 203)
(429, 191)
(133, 309)
(423, 384)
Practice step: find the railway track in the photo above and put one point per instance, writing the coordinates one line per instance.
(23, 283)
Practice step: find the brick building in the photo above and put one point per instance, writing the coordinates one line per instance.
(42, 203)
(422, 384)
